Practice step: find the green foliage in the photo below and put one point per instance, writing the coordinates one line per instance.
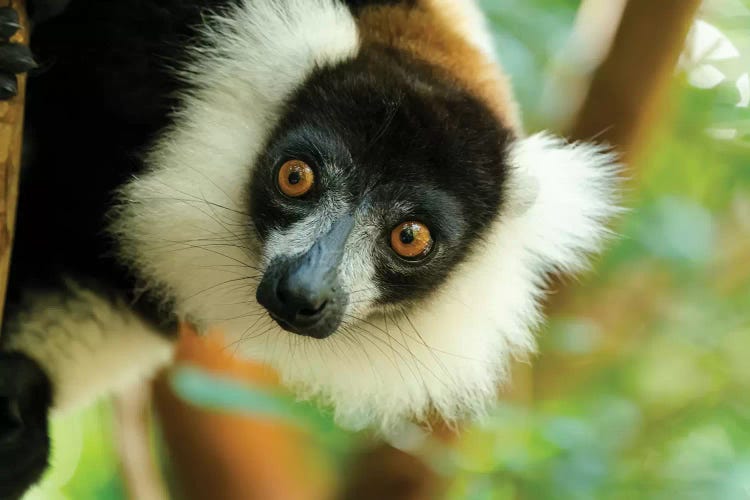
(527, 34)
(84, 463)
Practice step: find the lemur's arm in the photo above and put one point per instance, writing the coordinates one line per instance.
(85, 343)
(65, 349)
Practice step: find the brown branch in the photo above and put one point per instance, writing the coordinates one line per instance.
(386, 472)
(11, 132)
(629, 89)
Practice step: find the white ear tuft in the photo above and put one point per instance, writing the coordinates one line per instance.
(575, 193)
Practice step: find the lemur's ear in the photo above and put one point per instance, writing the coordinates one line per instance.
(565, 193)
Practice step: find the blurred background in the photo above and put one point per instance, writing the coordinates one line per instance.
(641, 388)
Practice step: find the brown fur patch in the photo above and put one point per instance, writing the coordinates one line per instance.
(430, 31)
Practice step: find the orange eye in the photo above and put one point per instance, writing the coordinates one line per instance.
(296, 178)
(411, 240)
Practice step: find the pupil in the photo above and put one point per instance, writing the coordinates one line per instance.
(294, 178)
(407, 236)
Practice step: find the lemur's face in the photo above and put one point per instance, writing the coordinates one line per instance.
(375, 228)
(370, 192)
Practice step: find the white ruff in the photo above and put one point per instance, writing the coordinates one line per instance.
(183, 230)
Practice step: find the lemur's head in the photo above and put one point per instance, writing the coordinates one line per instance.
(379, 178)
(346, 192)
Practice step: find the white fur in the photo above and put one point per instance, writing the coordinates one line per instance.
(183, 229)
(87, 345)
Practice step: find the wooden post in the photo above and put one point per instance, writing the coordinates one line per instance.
(11, 139)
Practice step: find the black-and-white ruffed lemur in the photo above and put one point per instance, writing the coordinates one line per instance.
(343, 187)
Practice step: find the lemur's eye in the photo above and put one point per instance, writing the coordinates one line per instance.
(296, 178)
(411, 240)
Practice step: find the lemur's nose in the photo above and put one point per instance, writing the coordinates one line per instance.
(301, 304)
(302, 293)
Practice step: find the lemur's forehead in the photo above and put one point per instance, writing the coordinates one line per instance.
(390, 127)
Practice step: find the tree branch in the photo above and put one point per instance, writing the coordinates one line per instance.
(629, 88)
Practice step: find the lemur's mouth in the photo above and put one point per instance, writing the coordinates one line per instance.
(319, 328)
(283, 323)
(313, 312)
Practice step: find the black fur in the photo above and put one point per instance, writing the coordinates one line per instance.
(25, 397)
(41, 10)
(402, 134)
(105, 94)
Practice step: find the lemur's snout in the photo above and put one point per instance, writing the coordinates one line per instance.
(303, 304)
(302, 293)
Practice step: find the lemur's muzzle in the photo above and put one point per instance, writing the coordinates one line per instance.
(302, 292)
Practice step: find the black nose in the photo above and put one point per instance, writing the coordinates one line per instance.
(301, 292)
(298, 304)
